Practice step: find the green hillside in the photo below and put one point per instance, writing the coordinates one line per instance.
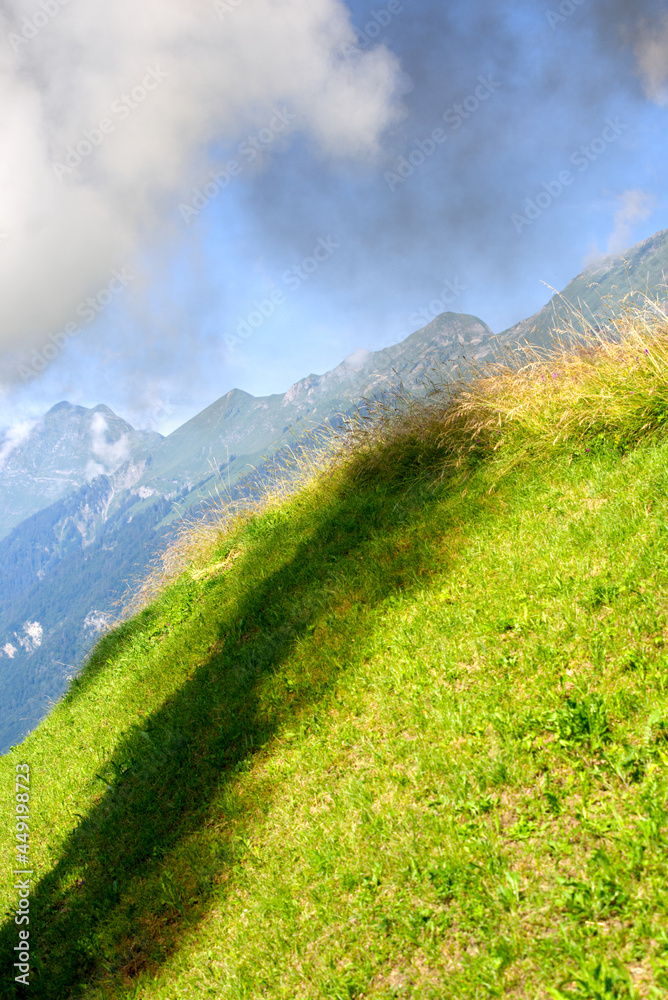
(402, 732)
(71, 561)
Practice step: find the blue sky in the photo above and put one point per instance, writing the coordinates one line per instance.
(302, 249)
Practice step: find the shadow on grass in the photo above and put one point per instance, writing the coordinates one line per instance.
(143, 865)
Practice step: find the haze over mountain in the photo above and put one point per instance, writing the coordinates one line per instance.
(88, 501)
(604, 285)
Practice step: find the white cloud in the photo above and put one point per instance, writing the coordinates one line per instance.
(14, 436)
(651, 52)
(94, 469)
(222, 75)
(108, 455)
(356, 359)
(592, 255)
(9, 650)
(634, 206)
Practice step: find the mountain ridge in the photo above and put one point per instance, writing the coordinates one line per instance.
(280, 419)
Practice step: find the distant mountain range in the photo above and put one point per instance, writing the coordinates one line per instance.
(87, 501)
(67, 448)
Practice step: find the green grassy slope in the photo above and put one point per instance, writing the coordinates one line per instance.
(402, 734)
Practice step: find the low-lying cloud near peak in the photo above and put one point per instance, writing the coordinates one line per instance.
(109, 112)
(108, 455)
(634, 206)
(13, 437)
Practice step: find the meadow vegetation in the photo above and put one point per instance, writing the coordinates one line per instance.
(398, 728)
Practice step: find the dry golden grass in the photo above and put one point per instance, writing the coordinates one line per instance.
(539, 400)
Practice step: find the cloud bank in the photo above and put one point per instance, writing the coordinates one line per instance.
(109, 114)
